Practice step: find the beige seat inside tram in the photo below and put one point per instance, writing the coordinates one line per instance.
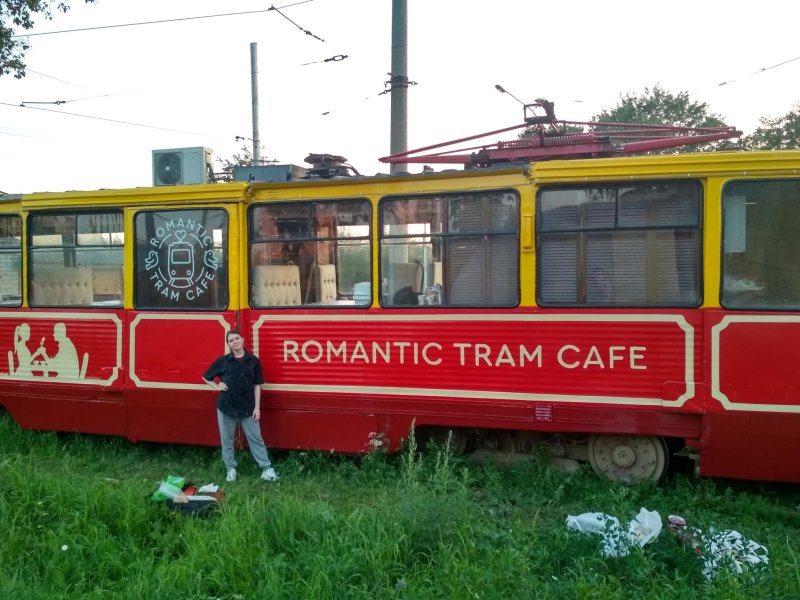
(276, 285)
(61, 286)
(325, 281)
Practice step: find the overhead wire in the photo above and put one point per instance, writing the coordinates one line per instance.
(740, 78)
(27, 70)
(22, 135)
(27, 104)
(333, 110)
(77, 86)
(780, 64)
(306, 31)
(121, 122)
(335, 58)
(135, 24)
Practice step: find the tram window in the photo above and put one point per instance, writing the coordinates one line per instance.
(10, 260)
(619, 245)
(181, 260)
(76, 259)
(761, 219)
(314, 253)
(452, 249)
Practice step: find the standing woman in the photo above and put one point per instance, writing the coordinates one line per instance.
(239, 403)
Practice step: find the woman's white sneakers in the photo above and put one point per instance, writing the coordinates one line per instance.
(267, 474)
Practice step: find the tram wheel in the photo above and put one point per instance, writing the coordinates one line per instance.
(629, 459)
(441, 436)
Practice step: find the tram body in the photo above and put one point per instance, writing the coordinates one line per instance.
(611, 310)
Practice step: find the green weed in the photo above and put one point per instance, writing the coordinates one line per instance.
(77, 522)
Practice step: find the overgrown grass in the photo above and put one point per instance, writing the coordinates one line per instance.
(76, 522)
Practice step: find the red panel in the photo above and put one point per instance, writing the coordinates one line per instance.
(62, 347)
(58, 408)
(755, 360)
(338, 378)
(759, 446)
(755, 396)
(174, 416)
(168, 349)
(319, 430)
(593, 358)
(167, 400)
(63, 370)
(580, 372)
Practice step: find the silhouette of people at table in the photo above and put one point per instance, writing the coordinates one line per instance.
(65, 363)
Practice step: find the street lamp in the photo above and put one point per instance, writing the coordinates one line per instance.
(527, 109)
(503, 90)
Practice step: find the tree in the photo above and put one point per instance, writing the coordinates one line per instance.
(659, 107)
(20, 14)
(782, 133)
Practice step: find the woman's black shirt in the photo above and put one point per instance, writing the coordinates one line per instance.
(241, 376)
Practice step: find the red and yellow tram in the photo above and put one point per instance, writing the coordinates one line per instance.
(612, 310)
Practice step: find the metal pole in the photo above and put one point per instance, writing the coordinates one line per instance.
(399, 83)
(254, 95)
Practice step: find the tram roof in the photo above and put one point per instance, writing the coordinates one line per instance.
(723, 163)
(700, 164)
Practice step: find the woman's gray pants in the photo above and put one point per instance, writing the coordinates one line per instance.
(252, 430)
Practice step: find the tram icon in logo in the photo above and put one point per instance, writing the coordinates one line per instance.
(175, 268)
(180, 261)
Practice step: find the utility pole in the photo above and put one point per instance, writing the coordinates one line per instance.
(398, 83)
(254, 96)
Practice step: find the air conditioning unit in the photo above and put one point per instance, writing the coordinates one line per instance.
(182, 166)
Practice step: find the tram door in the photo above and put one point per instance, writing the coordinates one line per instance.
(755, 339)
(185, 265)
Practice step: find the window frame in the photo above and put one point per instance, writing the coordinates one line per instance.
(224, 281)
(581, 234)
(19, 251)
(723, 237)
(310, 237)
(31, 250)
(444, 238)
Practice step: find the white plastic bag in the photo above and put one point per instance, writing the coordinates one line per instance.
(590, 522)
(643, 529)
(615, 540)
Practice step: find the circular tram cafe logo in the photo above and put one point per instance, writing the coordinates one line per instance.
(181, 262)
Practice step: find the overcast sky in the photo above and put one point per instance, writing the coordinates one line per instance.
(187, 83)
